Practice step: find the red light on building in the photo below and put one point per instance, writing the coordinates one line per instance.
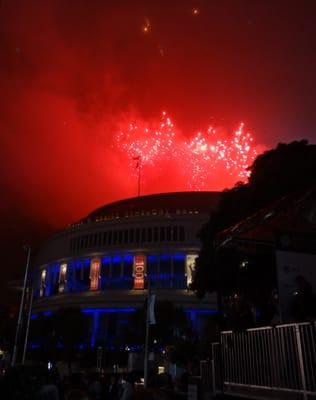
(139, 271)
(95, 274)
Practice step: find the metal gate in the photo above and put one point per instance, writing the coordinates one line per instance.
(281, 358)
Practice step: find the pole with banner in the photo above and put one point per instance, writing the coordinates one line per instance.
(150, 320)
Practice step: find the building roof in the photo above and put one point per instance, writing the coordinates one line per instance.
(294, 213)
(172, 203)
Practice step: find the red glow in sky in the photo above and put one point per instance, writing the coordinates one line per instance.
(74, 73)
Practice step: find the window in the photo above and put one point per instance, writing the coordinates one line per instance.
(168, 233)
(152, 269)
(131, 236)
(116, 272)
(125, 236)
(110, 238)
(137, 235)
(181, 233)
(95, 236)
(115, 237)
(120, 237)
(105, 272)
(105, 237)
(179, 278)
(143, 235)
(165, 271)
(78, 274)
(162, 233)
(127, 279)
(149, 235)
(175, 233)
(156, 234)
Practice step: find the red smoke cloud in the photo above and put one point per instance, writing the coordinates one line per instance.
(74, 72)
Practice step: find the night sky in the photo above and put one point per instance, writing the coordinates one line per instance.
(73, 73)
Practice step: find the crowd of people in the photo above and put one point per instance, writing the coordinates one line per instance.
(37, 383)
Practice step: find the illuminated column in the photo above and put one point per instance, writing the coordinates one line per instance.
(62, 278)
(95, 273)
(139, 270)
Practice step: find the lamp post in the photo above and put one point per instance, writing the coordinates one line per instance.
(19, 324)
(150, 320)
(146, 350)
(28, 323)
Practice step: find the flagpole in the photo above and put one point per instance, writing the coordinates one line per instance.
(147, 337)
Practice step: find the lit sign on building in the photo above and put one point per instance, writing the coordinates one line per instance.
(62, 278)
(139, 271)
(43, 283)
(189, 267)
(95, 273)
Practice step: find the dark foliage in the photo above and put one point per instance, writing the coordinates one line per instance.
(287, 169)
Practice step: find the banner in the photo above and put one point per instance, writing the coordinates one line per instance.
(189, 268)
(139, 270)
(62, 278)
(95, 273)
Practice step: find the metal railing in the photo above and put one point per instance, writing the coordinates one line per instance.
(281, 358)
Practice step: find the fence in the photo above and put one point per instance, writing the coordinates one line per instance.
(281, 358)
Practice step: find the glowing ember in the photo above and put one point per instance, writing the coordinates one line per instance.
(204, 156)
(146, 26)
(195, 11)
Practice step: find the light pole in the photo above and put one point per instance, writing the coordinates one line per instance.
(146, 350)
(28, 323)
(19, 324)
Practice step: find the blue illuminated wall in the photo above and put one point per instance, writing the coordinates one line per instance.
(165, 271)
(106, 323)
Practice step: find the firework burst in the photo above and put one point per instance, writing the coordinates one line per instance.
(199, 159)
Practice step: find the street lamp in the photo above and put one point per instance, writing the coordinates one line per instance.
(19, 324)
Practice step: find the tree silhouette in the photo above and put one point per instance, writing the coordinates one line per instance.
(287, 169)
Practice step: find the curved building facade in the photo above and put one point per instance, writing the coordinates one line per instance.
(102, 263)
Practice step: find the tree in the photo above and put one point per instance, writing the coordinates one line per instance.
(287, 169)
